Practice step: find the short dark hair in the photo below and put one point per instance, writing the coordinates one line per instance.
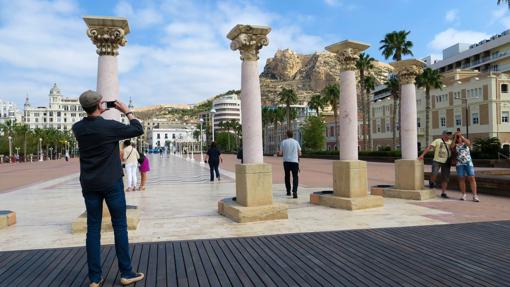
(127, 143)
(90, 110)
(290, 134)
(213, 144)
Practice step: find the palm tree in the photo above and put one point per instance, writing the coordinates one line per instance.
(369, 84)
(396, 45)
(429, 79)
(364, 64)
(503, 1)
(316, 103)
(393, 85)
(288, 97)
(331, 96)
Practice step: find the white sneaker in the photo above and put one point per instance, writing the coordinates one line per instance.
(475, 199)
(463, 197)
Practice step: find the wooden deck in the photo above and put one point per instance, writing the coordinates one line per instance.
(474, 254)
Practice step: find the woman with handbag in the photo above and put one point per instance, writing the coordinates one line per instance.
(130, 156)
(464, 165)
(144, 168)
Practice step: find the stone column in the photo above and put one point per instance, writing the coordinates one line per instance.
(350, 182)
(108, 34)
(254, 195)
(408, 170)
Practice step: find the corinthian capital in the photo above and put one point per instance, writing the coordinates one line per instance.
(248, 39)
(107, 33)
(407, 70)
(347, 53)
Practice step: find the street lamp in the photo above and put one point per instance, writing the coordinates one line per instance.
(51, 153)
(17, 151)
(213, 111)
(201, 141)
(465, 102)
(10, 149)
(40, 150)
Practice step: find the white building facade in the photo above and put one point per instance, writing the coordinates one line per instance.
(9, 113)
(227, 108)
(159, 137)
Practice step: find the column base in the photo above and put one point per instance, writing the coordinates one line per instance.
(243, 214)
(133, 220)
(417, 194)
(7, 218)
(349, 203)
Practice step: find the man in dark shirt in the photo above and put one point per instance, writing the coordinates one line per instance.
(101, 179)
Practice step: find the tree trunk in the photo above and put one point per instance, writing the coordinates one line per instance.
(427, 116)
(363, 107)
(369, 126)
(25, 148)
(394, 119)
(288, 117)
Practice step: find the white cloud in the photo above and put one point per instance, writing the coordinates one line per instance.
(452, 15)
(333, 2)
(187, 59)
(452, 36)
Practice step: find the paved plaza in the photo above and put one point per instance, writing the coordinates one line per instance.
(180, 203)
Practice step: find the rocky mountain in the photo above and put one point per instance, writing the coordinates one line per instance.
(306, 74)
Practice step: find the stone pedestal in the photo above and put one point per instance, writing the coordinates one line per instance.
(133, 220)
(7, 218)
(350, 188)
(254, 196)
(409, 181)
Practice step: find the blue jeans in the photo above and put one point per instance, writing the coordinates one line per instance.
(465, 170)
(116, 202)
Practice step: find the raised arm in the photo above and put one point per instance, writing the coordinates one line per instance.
(425, 151)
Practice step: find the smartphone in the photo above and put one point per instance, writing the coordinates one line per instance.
(110, 105)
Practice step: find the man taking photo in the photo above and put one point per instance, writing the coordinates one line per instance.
(101, 179)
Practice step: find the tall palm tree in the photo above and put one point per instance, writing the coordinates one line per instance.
(393, 85)
(369, 84)
(288, 97)
(331, 96)
(316, 103)
(429, 79)
(364, 65)
(396, 45)
(504, 1)
(278, 116)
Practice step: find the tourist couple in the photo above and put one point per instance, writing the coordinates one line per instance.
(132, 160)
(448, 153)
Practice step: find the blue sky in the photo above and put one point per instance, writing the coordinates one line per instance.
(177, 51)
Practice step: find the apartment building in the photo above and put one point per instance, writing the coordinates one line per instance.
(227, 108)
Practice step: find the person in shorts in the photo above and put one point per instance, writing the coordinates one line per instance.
(464, 165)
(441, 162)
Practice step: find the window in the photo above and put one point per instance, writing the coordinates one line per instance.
(378, 127)
(158, 136)
(166, 136)
(387, 127)
(504, 88)
(458, 120)
(443, 121)
(504, 117)
(418, 123)
(474, 116)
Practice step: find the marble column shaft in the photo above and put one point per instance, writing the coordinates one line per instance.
(348, 116)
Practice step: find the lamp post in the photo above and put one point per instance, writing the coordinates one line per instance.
(17, 151)
(51, 153)
(10, 149)
(213, 111)
(40, 150)
(201, 141)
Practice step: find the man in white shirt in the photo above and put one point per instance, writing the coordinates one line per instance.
(291, 151)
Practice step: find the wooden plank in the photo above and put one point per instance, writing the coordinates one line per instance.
(47, 262)
(161, 265)
(171, 267)
(144, 263)
(199, 265)
(77, 265)
(150, 276)
(56, 267)
(226, 258)
(302, 268)
(17, 270)
(188, 264)
(211, 272)
(226, 274)
(83, 274)
(182, 278)
(15, 258)
(225, 245)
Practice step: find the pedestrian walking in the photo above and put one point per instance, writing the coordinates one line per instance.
(130, 156)
(291, 151)
(214, 158)
(464, 165)
(442, 161)
(144, 169)
(101, 180)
